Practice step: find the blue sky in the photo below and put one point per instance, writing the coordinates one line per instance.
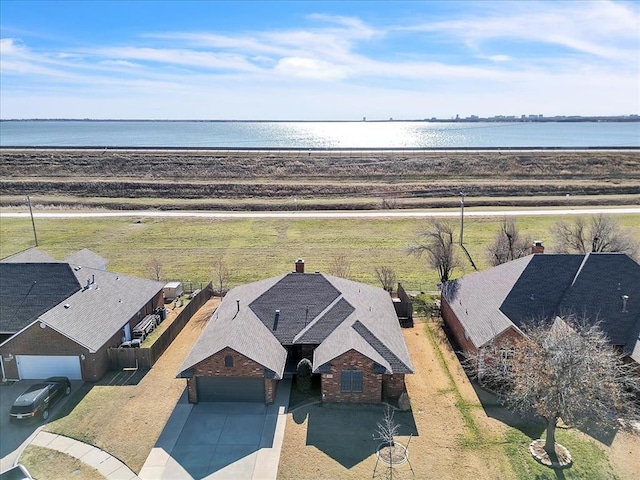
(317, 60)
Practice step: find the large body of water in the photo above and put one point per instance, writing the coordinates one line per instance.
(319, 135)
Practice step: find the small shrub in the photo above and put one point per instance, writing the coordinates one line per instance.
(303, 378)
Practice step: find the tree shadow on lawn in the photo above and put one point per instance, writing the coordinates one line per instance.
(532, 425)
(346, 432)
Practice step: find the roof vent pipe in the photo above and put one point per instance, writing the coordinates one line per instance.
(238, 303)
(300, 266)
(624, 303)
(275, 320)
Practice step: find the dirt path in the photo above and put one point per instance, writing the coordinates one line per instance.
(126, 420)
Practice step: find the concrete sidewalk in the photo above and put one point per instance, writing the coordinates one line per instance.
(216, 441)
(107, 465)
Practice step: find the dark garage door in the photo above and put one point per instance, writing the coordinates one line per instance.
(230, 389)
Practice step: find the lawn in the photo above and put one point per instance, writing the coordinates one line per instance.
(46, 464)
(259, 248)
(125, 414)
(454, 435)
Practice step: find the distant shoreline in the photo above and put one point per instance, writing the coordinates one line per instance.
(318, 149)
(495, 119)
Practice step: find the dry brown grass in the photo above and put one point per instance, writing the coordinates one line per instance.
(458, 437)
(126, 420)
(338, 179)
(46, 464)
(441, 449)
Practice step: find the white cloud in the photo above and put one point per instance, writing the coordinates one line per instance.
(581, 58)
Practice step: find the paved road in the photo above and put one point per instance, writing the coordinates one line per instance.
(469, 212)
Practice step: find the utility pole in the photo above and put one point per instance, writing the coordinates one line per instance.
(33, 224)
(461, 216)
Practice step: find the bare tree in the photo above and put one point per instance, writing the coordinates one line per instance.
(437, 243)
(155, 268)
(387, 277)
(509, 244)
(340, 266)
(222, 275)
(600, 233)
(388, 429)
(562, 369)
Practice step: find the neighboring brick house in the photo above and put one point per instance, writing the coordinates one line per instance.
(349, 330)
(60, 318)
(494, 304)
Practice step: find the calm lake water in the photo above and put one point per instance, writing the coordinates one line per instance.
(363, 135)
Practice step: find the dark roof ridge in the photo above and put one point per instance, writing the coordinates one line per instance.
(318, 317)
(378, 345)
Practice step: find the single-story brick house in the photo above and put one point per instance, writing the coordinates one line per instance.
(60, 318)
(349, 330)
(494, 304)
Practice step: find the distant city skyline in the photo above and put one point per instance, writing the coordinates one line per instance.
(318, 60)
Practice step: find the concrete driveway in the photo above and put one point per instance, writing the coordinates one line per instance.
(216, 441)
(14, 435)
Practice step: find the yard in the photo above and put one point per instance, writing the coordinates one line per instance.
(454, 435)
(125, 413)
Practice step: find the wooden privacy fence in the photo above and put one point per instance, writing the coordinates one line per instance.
(146, 357)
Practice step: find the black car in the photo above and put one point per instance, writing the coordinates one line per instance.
(39, 398)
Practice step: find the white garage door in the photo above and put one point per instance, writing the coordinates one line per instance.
(37, 367)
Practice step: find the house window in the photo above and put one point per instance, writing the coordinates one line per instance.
(228, 361)
(351, 381)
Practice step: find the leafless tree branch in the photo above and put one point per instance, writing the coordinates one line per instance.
(436, 242)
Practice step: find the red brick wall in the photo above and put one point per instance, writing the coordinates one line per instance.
(242, 367)
(38, 341)
(457, 330)
(270, 389)
(352, 360)
(393, 385)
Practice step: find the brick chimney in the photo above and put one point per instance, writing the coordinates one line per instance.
(537, 247)
(300, 266)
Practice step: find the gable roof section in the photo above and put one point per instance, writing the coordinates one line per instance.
(325, 324)
(240, 329)
(538, 291)
(476, 298)
(87, 258)
(30, 255)
(545, 286)
(95, 314)
(597, 294)
(27, 290)
(372, 329)
(300, 298)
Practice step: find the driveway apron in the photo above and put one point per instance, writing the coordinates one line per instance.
(221, 440)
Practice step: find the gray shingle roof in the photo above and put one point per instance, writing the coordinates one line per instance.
(30, 255)
(543, 286)
(95, 314)
(300, 298)
(338, 314)
(241, 330)
(87, 258)
(27, 290)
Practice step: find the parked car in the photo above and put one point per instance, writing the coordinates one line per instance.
(39, 398)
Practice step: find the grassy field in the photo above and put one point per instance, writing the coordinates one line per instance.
(260, 248)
